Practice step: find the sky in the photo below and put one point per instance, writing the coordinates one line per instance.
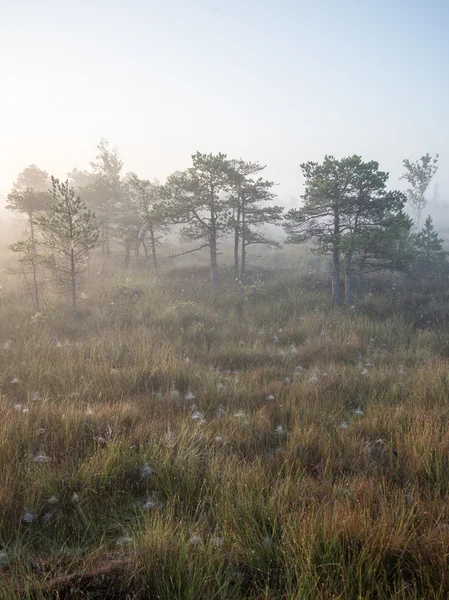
(274, 81)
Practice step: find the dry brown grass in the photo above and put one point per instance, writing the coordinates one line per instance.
(277, 490)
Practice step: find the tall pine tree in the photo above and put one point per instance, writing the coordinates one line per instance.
(69, 230)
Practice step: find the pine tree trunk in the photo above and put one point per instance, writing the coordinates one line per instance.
(73, 274)
(348, 280)
(153, 246)
(243, 262)
(30, 218)
(213, 240)
(34, 259)
(106, 239)
(36, 288)
(236, 243)
(336, 288)
(213, 261)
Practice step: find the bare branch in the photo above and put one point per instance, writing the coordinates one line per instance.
(189, 251)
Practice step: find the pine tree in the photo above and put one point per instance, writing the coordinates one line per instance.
(419, 175)
(351, 216)
(29, 259)
(249, 211)
(106, 190)
(146, 202)
(30, 194)
(69, 230)
(196, 199)
(430, 254)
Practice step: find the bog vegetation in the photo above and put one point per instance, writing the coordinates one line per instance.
(262, 422)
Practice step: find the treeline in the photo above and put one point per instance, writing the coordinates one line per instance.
(348, 213)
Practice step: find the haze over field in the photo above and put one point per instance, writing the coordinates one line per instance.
(279, 82)
(224, 324)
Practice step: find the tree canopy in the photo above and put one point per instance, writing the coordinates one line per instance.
(419, 174)
(351, 216)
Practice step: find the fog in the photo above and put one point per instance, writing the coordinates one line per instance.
(280, 83)
(224, 324)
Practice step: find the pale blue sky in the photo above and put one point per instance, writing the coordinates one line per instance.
(280, 82)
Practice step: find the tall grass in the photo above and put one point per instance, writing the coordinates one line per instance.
(247, 442)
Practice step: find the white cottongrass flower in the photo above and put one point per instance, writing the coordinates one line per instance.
(220, 411)
(123, 541)
(153, 501)
(293, 349)
(220, 387)
(276, 339)
(280, 430)
(175, 395)
(17, 407)
(15, 380)
(107, 436)
(146, 471)
(113, 371)
(195, 540)
(344, 424)
(7, 345)
(217, 542)
(27, 517)
(4, 560)
(269, 398)
(242, 417)
(364, 372)
(242, 343)
(197, 415)
(41, 459)
(89, 412)
(187, 360)
(267, 542)
(358, 412)
(36, 397)
(219, 439)
(408, 497)
(189, 397)
(75, 498)
(286, 380)
(148, 504)
(47, 518)
(25, 410)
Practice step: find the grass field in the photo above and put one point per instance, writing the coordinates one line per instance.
(251, 442)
